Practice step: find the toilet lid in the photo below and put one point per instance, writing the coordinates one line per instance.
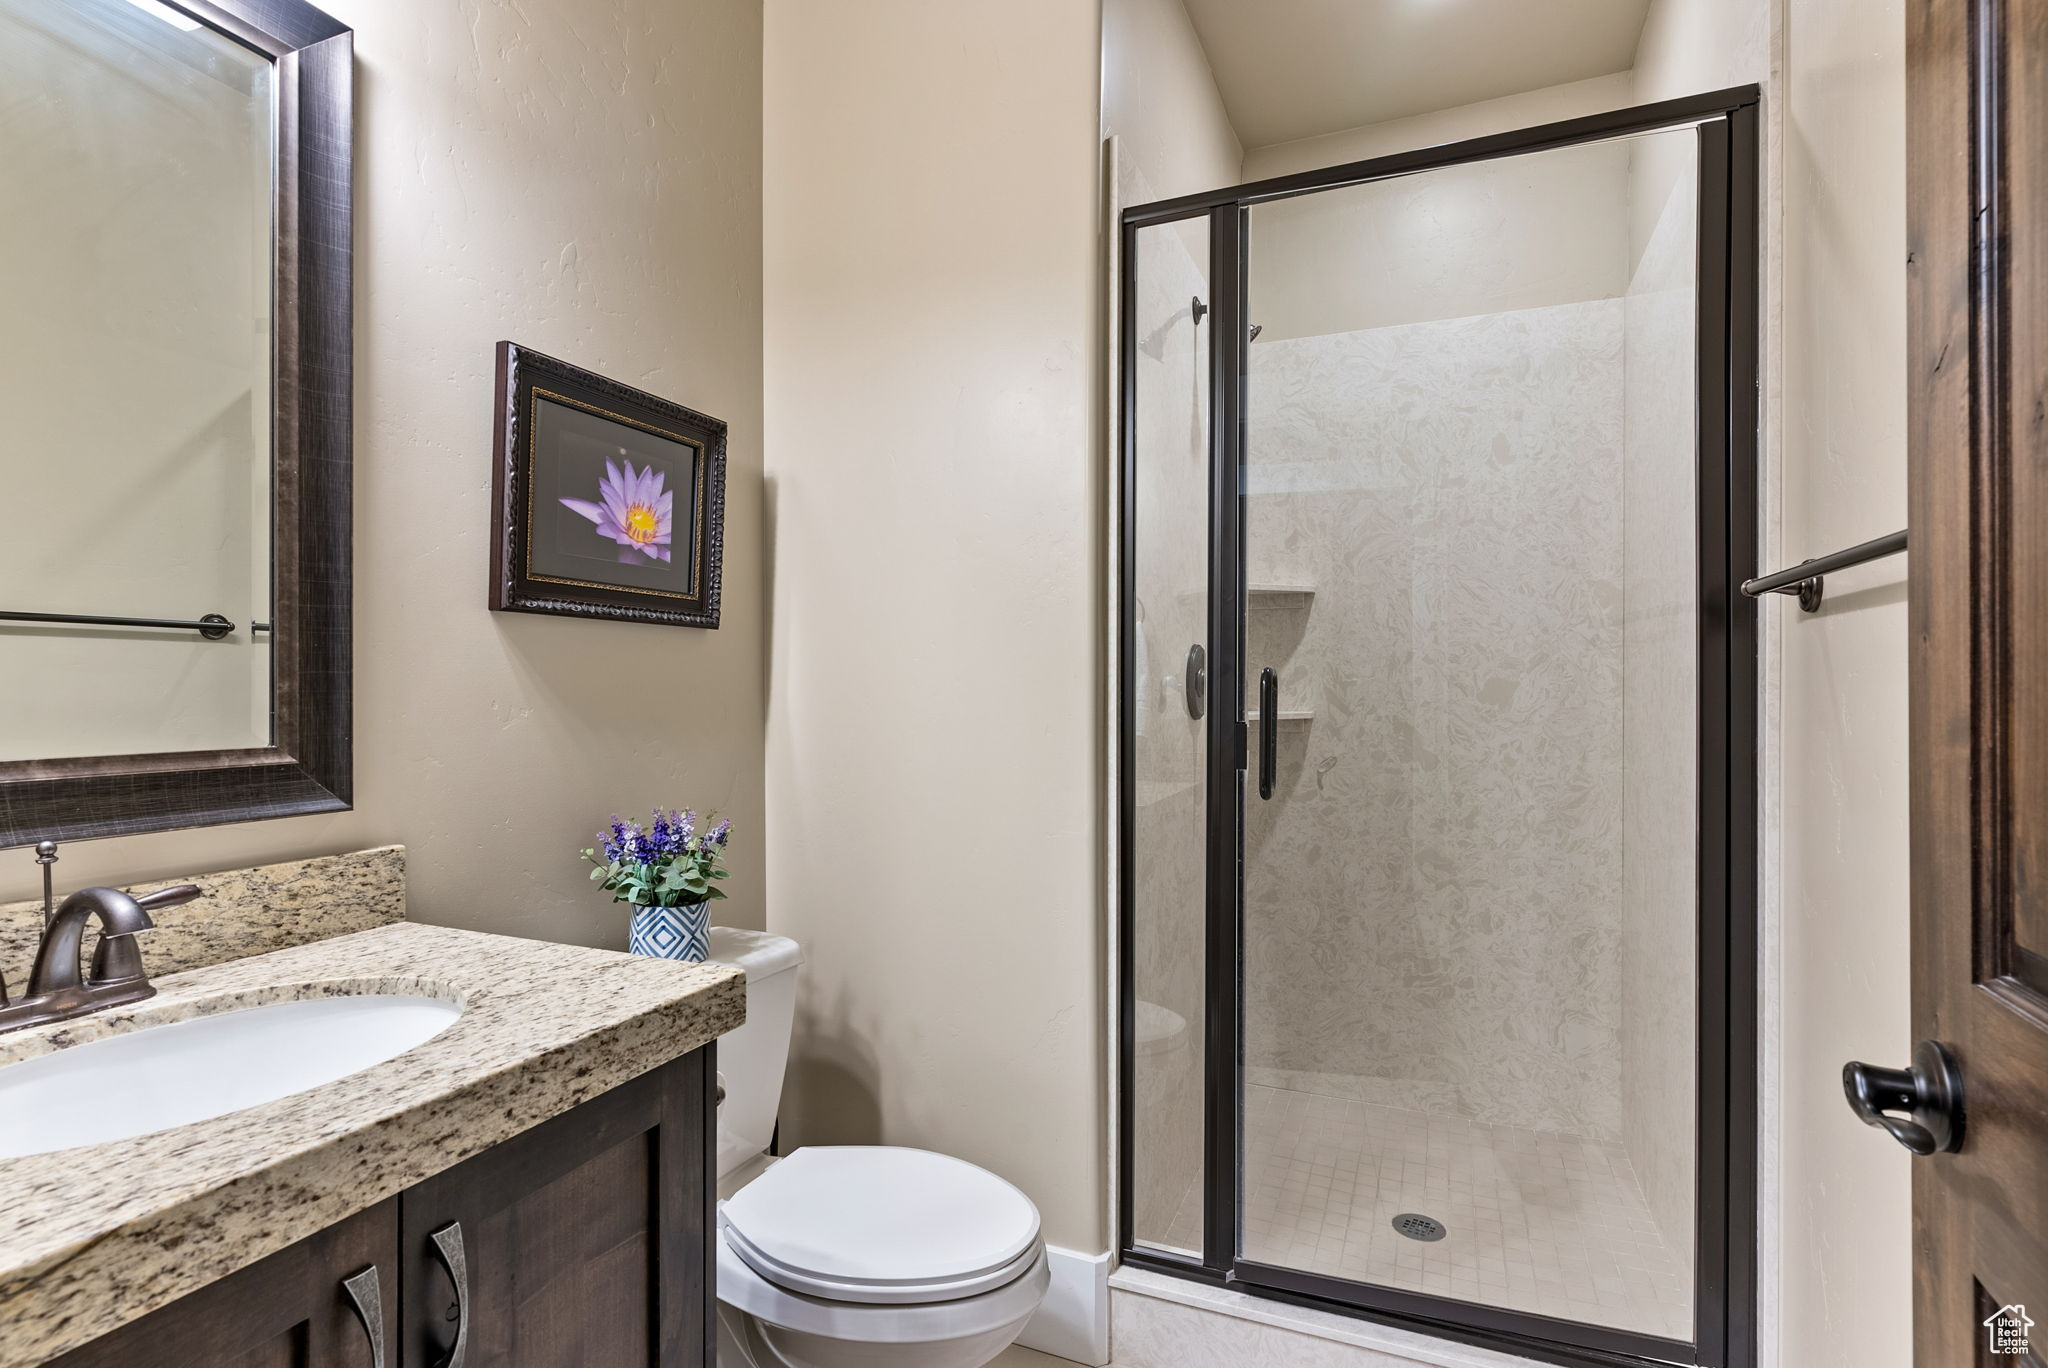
(875, 1223)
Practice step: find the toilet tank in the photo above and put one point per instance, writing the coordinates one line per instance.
(751, 1059)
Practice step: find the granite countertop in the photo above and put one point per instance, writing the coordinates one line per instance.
(93, 1237)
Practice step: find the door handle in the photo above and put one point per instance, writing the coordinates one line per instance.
(367, 1296)
(1195, 677)
(1269, 731)
(447, 1243)
(1931, 1093)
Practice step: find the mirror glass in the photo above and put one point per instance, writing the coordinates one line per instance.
(136, 362)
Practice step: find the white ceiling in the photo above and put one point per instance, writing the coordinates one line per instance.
(1292, 69)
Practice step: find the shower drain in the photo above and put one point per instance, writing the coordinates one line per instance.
(1417, 1227)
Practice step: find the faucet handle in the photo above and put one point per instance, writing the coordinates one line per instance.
(175, 896)
(116, 959)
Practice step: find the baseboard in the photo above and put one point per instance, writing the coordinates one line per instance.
(1073, 1322)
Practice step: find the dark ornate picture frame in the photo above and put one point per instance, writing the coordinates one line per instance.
(528, 574)
(309, 767)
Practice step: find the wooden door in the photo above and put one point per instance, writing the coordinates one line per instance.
(1977, 138)
(585, 1241)
(290, 1310)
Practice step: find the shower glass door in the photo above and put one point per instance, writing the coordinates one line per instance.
(1470, 843)
(1170, 457)
(1438, 905)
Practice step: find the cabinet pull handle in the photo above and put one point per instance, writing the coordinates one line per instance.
(367, 1296)
(448, 1244)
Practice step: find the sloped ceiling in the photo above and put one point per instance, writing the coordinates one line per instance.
(1292, 69)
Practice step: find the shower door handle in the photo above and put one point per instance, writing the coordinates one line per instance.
(1269, 730)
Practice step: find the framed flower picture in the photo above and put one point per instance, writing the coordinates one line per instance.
(609, 502)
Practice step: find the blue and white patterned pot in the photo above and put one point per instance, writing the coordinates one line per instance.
(677, 933)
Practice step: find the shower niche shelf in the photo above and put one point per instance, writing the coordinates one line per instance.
(1279, 595)
(1287, 716)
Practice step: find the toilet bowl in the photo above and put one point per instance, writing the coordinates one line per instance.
(856, 1256)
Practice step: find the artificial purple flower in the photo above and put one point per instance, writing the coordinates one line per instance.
(635, 511)
(619, 839)
(667, 863)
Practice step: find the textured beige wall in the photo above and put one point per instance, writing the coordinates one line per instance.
(1525, 109)
(1690, 46)
(1526, 232)
(1845, 1211)
(936, 477)
(585, 180)
(1530, 232)
(1159, 100)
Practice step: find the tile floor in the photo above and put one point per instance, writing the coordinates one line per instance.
(1017, 1356)
(1537, 1221)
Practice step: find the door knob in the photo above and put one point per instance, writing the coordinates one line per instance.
(1930, 1093)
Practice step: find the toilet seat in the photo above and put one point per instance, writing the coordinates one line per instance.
(743, 1289)
(881, 1225)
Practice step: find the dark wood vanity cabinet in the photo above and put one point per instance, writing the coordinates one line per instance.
(287, 1311)
(584, 1241)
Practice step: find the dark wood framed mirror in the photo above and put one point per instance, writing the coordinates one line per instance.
(89, 631)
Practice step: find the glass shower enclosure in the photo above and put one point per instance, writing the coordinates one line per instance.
(1436, 736)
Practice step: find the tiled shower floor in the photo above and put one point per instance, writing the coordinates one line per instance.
(1537, 1221)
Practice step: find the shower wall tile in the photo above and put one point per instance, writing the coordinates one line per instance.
(1433, 895)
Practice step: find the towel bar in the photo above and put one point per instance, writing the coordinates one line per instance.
(1805, 578)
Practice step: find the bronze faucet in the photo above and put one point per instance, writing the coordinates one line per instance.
(56, 988)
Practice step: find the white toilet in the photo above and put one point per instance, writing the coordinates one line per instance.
(857, 1256)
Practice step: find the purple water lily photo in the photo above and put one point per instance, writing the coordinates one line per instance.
(635, 513)
(609, 501)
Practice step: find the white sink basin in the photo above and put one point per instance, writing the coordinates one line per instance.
(185, 1071)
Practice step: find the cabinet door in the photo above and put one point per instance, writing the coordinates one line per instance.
(290, 1310)
(584, 1241)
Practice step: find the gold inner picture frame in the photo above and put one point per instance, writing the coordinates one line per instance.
(697, 537)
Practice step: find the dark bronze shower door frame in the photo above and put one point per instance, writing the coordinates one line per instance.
(1727, 283)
